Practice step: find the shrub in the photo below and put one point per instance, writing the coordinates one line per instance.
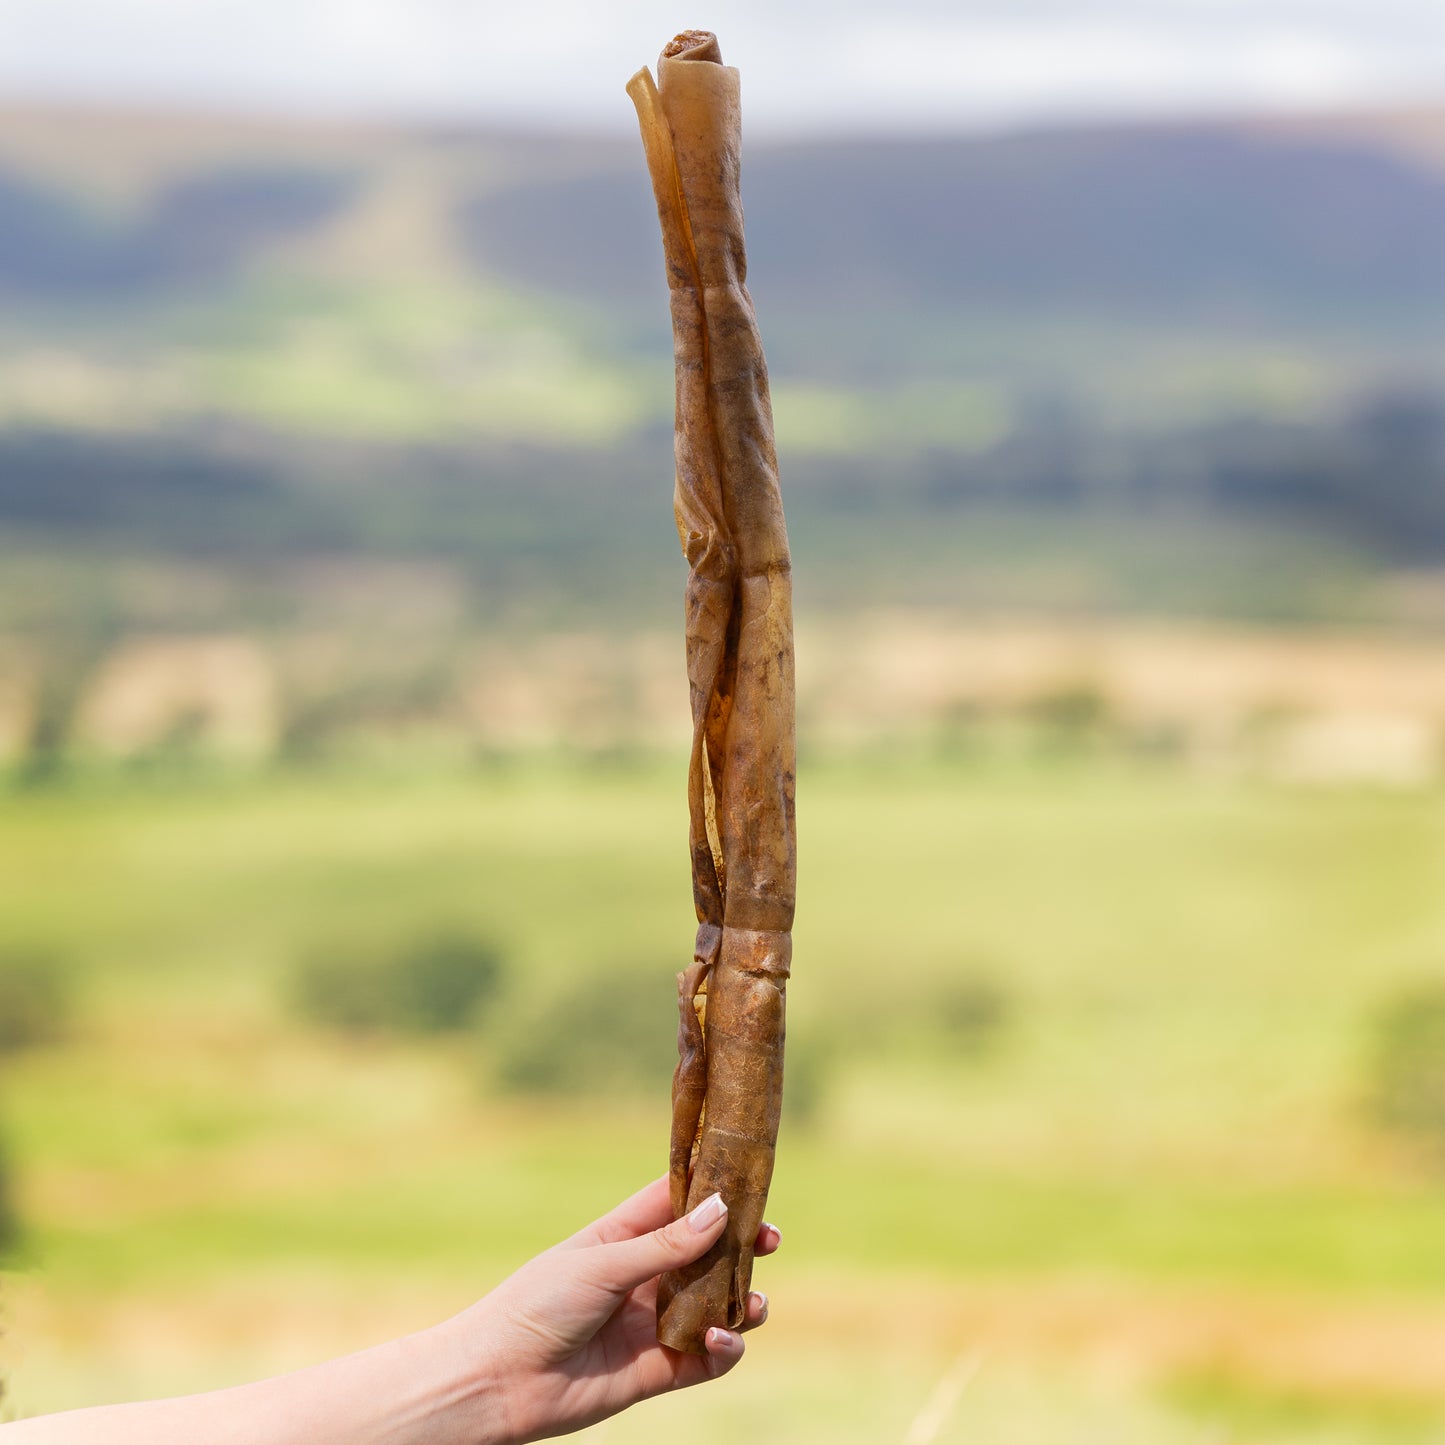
(9, 1222)
(342, 992)
(611, 1032)
(971, 1012)
(442, 983)
(1071, 714)
(34, 1001)
(807, 1075)
(1406, 1072)
(945, 1013)
(437, 984)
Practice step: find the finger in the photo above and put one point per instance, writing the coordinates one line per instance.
(640, 1213)
(769, 1238)
(724, 1349)
(630, 1262)
(660, 1369)
(757, 1310)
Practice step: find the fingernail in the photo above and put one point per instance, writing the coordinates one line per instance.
(762, 1304)
(775, 1230)
(707, 1213)
(722, 1339)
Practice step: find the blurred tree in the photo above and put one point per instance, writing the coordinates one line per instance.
(9, 1219)
(612, 1032)
(1406, 1079)
(34, 1001)
(1073, 714)
(71, 656)
(972, 1012)
(438, 983)
(807, 1078)
(443, 982)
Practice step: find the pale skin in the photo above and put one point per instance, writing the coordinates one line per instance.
(568, 1340)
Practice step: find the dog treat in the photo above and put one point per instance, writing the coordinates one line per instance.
(727, 1091)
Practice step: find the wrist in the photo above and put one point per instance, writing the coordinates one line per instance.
(422, 1389)
(468, 1398)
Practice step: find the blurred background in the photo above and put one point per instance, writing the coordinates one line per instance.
(343, 873)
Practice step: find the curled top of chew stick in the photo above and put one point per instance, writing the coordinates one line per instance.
(693, 45)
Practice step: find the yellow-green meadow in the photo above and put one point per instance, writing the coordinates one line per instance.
(1083, 1135)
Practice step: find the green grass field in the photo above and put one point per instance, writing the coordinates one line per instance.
(1135, 1191)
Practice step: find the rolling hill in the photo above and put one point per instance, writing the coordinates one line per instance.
(1182, 368)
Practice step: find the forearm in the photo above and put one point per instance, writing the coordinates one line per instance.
(566, 1341)
(424, 1387)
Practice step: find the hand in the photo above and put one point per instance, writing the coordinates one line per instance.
(572, 1335)
(566, 1341)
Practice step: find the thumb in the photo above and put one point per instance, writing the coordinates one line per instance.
(631, 1262)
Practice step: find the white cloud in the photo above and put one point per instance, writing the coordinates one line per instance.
(808, 65)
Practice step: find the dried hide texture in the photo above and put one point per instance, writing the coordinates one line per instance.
(727, 1091)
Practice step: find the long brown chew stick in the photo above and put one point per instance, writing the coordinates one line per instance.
(728, 1088)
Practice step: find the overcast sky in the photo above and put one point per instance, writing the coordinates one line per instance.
(808, 66)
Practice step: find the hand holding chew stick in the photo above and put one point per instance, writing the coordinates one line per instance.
(727, 1091)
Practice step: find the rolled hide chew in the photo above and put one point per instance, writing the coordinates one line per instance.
(727, 1090)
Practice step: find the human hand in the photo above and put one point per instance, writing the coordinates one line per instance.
(571, 1337)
